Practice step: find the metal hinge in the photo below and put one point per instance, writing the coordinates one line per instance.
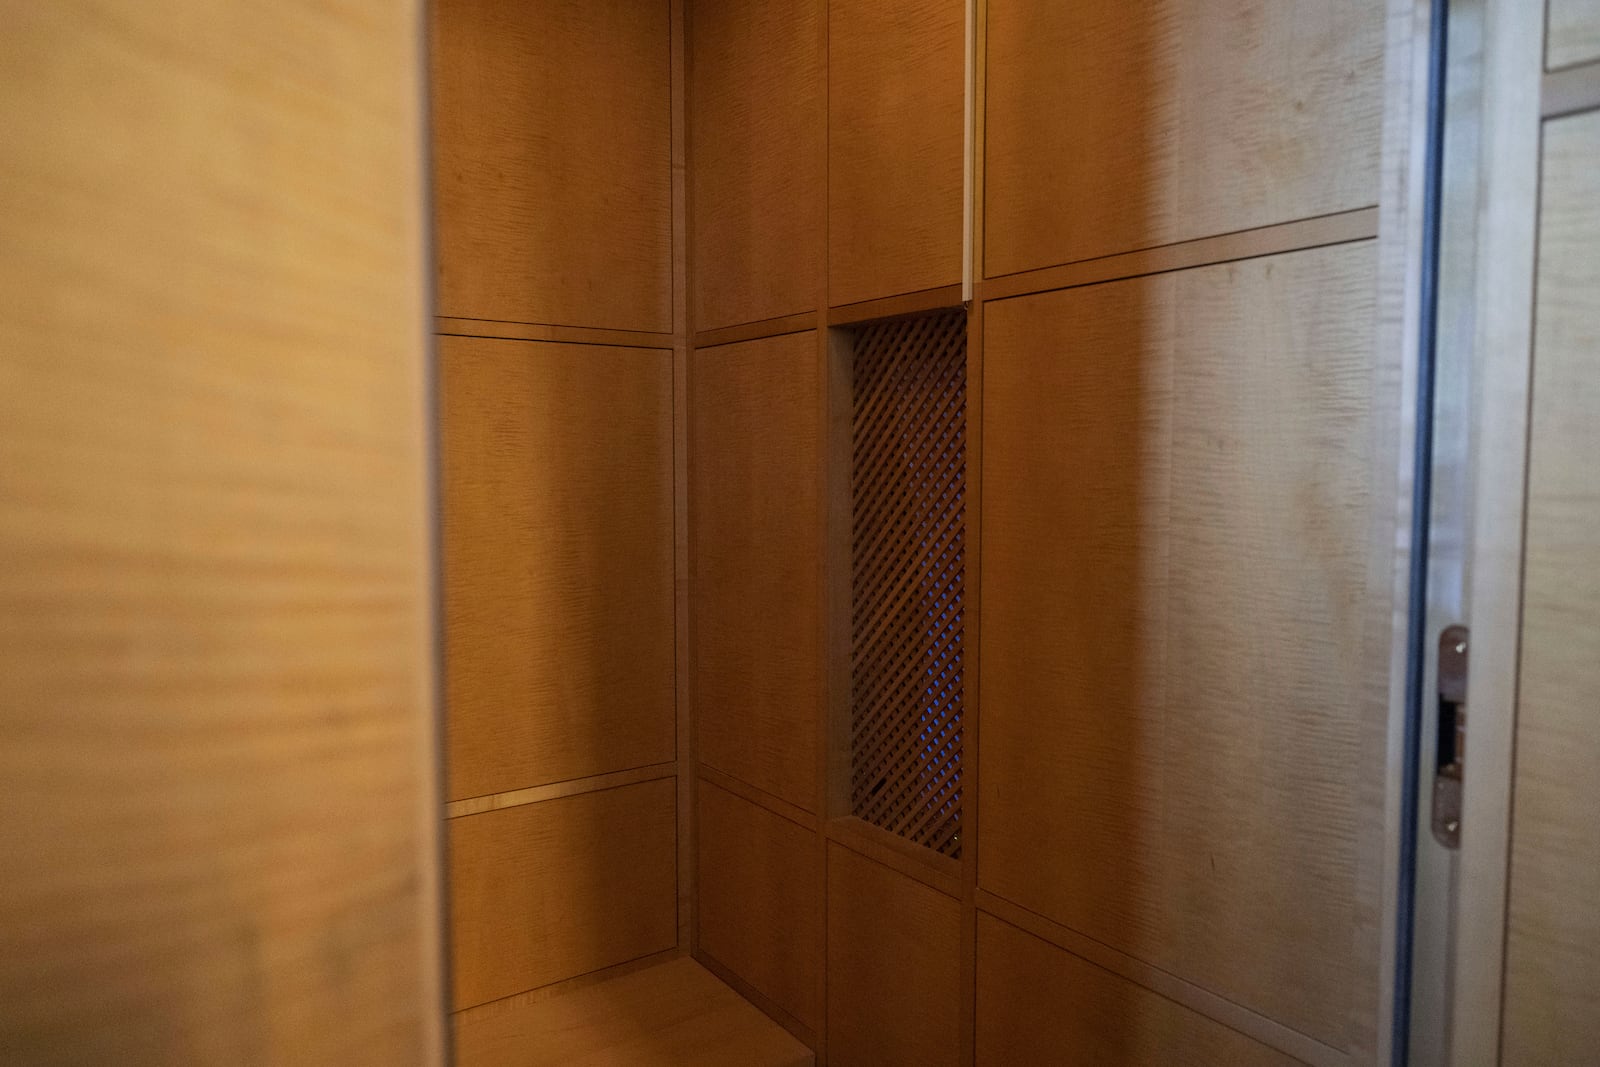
(1452, 746)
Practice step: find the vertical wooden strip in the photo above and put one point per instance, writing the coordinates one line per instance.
(680, 473)
(974, 713)
(1513, 39)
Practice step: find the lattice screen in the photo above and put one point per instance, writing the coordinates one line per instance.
(908, 523)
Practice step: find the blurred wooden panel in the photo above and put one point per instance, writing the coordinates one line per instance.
(545, 892)
(1175, 119)
(552, 162)
(755, 546)
(896, 99)
(1185, 642)
(760, 900)
(756, 184)
(557, 506)
(894, 967)
(1552, 998)
(1573, 35)
(1040, 1004)
(219, 833)
(675, 1014)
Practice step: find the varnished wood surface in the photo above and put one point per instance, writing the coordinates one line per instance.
(760, 906)
(1038, 1004)
(571, 787)
(556, 487)
(218, 839)
(1506, 247)
(755, 562)
(1184, 644)
(523, 331)
(674, 1014)
(756, 141)
(552, 165)
(896, 92)
(545, 892)
(1175, 120)
(894, 967)
(1573, 32)
(1552, 979)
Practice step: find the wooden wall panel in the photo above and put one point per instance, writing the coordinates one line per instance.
(1573, 35)
(755, 550)
(216, 661)
(557, 502)
(1173, 120)
(1040, 1004)
(894, 967)
(552, 162)
(757, 186)
(545, 892)
(1185, 636)
(896, 99)
(760, 900)
(1552, 980)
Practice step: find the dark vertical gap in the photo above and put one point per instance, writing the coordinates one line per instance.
(1421, 503)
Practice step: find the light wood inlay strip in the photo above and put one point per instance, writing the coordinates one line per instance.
(759, 797)
(534, 331)
(1267, 1031)
(534, 794)
(1246, 244)
(754, 331)
(894, 307)
(938, 872)
(1571, 90)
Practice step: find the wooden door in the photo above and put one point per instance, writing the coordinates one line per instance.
(1528, 958)
(218, 841)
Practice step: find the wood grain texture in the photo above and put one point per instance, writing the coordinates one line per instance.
(894, 959)
(1040, 1004)
(1184, 642)
(896, 94)
(755, 513)
(760, 908)
(1572, 34)
(216, 663)
(1552, 978)
(756, 184)
(557, 483)
(1176, 120)
(552, 162)
(670, 1015)
(545, 892)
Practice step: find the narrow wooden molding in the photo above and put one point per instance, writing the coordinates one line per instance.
(896, 307)
(1568, 91)
(455, 809)
(973, 713)
(972, 619)
(568, 985)
(531, 331)
(1356, 225)
(1507, 252)
(680, 473)
(802, 1033)
(759, 797)
(1235, 1016)
(754, 331)
(941, 873)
